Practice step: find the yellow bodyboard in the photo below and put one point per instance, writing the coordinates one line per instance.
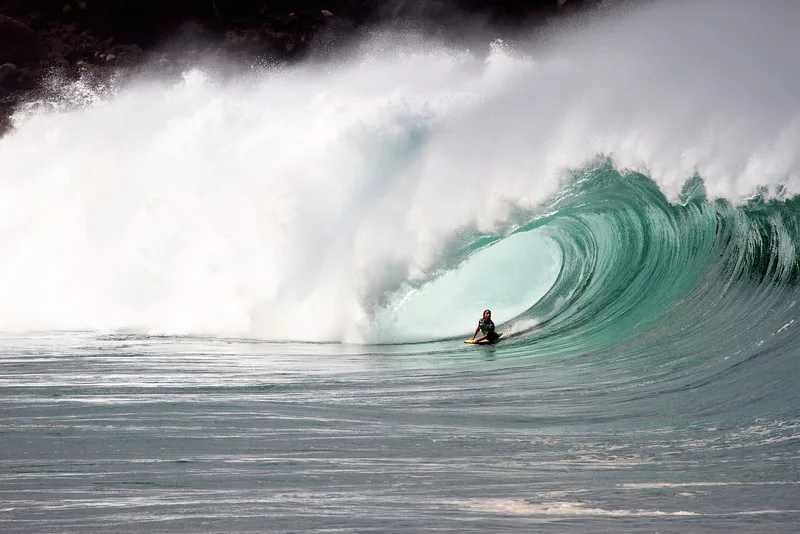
(481, 341)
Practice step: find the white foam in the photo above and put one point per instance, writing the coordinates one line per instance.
(288, 204)
(556, 508)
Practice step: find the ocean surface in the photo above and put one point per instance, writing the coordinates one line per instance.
(236, 303)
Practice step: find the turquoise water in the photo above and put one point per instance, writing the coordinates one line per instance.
(239, 305)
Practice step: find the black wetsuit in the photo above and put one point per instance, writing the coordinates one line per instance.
(487, 328)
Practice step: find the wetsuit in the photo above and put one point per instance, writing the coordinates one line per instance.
(487, 329)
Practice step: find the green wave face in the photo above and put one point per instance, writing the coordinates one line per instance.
(629, 254)
(612, 265)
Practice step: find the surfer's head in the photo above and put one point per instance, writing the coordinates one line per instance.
(487, 314)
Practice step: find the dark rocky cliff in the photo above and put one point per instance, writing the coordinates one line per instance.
(79, 36)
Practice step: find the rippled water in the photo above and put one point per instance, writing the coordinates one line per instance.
(185, 435)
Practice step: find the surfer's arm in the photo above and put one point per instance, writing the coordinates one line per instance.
(476, 332)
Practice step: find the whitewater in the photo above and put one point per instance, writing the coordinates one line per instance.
(236, 303)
